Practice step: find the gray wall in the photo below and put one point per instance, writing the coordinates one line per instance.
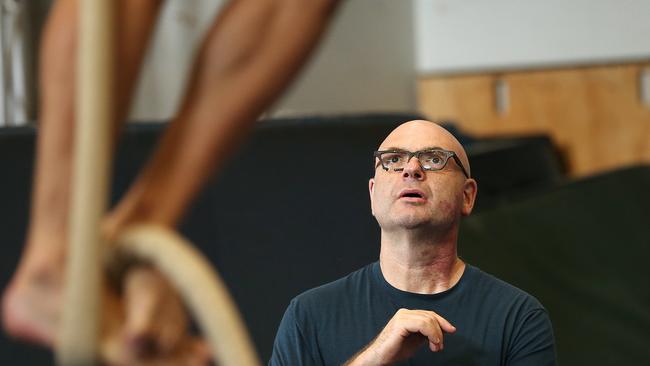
(20, 28)
(458, 35)
(365, 63)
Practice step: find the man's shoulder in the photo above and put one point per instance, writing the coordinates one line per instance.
(337, 291)
(513, 319)
(498, 290)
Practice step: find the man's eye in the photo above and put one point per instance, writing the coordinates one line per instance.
(432, 159)
(392, 159)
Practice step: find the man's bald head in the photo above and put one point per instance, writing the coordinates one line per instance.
(412, 197)
(420, 134)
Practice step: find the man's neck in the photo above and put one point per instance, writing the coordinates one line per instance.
(419, 262)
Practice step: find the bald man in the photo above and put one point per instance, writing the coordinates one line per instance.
(420, 304)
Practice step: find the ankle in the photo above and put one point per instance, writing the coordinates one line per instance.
(125, 215)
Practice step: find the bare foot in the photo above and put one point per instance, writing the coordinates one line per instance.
(146, 326)
(31, 302)
(154, 328)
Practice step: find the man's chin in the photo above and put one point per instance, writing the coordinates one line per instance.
(419, 220)
(413, 221)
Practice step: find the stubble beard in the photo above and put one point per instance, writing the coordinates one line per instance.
(415, 219)
(403, 218)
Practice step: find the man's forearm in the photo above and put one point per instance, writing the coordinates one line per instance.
(360, 359)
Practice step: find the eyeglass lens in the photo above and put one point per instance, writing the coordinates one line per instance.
(431, 160)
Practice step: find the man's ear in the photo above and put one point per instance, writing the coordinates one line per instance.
(371, 190)
(469, 196)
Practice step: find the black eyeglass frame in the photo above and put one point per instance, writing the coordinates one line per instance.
(447, 154)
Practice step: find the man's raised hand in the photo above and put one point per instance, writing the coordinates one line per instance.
(404, 334)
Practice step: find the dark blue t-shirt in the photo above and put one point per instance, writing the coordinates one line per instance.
(496, 323)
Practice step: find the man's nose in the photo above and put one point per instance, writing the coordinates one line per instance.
(413, 169)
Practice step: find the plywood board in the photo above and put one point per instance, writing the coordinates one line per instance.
(594, 114)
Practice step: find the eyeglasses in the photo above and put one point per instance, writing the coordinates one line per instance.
(430, 159)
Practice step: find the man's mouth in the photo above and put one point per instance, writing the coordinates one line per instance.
(412, 195)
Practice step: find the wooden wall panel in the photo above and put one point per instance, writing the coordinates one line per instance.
(594, 114)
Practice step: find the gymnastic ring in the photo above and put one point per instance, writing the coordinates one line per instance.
(200, 286)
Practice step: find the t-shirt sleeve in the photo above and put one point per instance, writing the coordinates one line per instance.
(533, 342)
(291, 347)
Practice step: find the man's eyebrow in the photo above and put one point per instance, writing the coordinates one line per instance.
(433, 148)
(392, 148)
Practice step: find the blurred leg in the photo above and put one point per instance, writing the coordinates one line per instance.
(31, 301)
(252, 52)
(249, 56)
(247, 59)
